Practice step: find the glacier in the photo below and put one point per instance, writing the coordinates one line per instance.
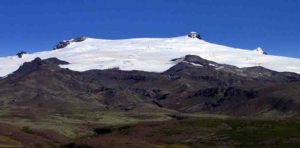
(149, 54)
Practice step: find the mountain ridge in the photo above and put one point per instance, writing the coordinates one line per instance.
(185, 87)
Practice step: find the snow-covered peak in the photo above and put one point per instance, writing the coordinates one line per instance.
(194, 35)
(148, 54)
(260, 51)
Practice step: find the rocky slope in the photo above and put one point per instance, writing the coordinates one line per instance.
(192, 85)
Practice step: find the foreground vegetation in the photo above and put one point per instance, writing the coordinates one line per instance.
(129, 129)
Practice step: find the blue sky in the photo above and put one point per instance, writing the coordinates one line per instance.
(37, 25)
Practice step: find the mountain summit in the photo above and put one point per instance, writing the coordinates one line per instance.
(260, 51)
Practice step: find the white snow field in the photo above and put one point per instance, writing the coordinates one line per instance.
(149, 54)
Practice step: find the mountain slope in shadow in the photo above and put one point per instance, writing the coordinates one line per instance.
(192, 85)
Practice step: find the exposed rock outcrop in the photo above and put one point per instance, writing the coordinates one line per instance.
(21, 53)
(65, 43)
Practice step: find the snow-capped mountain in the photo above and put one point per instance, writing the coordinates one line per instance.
(182, 80)
(149, 54)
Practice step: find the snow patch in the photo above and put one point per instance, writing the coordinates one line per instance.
(219, 68)
(213, 65)
(197, 65)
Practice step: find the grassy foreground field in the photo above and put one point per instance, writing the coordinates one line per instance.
(129, 129)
